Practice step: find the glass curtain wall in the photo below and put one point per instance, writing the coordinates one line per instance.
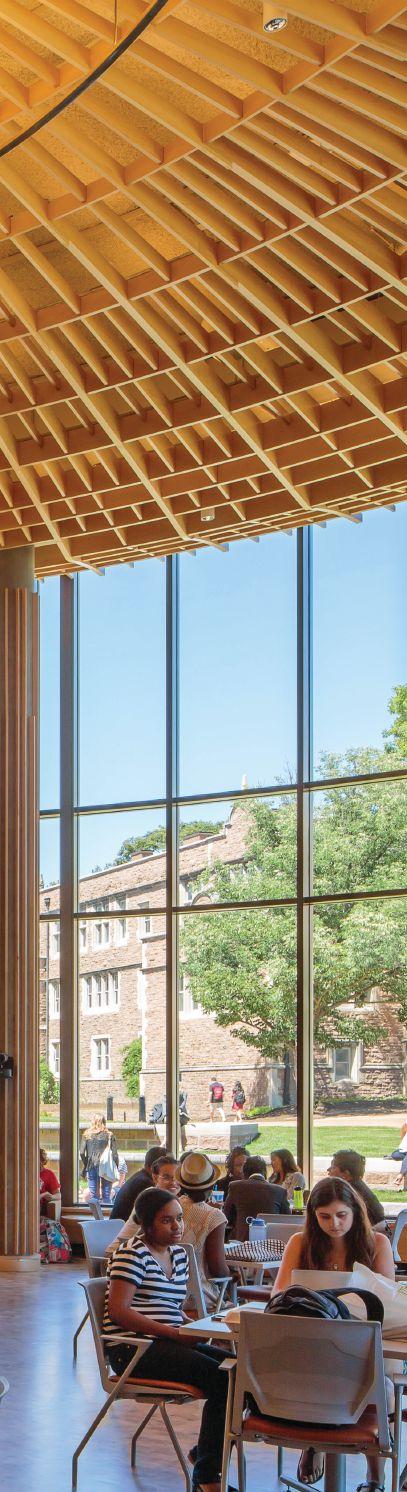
(231, 904)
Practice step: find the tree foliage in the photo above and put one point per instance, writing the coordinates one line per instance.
(131, 1066)
(145, 844)
(241, 965)
(49, 1088)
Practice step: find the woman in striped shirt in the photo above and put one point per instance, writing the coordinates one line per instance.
(147, 1286)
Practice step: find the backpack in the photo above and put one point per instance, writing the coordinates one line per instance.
(217, 1092)
(55, 1247)
(328, 1305)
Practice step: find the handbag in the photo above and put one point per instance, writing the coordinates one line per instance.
(107, 1168)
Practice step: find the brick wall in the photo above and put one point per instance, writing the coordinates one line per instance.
(206, 1050)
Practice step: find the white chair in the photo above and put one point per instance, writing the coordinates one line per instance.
(282, 1228)
(95, 1208)
(4, 1387)
(196, 1290)
(401, 1222)
(96, 1234)
(318, 1383)
(156, 1394)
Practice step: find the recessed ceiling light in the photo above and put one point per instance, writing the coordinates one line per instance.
(274, 16)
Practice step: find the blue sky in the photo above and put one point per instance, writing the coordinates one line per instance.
(237, 674)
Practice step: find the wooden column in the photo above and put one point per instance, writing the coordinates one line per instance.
(19, 1208)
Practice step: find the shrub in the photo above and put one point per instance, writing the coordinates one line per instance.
(131, 1065)
(49, 1088)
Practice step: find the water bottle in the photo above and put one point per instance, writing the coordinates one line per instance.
(257, 1229)
(217, 1194)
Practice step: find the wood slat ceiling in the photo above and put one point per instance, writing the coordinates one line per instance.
(203, 326)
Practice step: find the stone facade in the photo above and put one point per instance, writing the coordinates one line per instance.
(122, 996)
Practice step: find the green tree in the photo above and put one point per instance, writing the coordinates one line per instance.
(242, 965)
(397, 734)
(49, 1088)
(131, 1066)
(155, 839)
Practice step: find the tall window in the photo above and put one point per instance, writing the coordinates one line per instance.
(230, 861)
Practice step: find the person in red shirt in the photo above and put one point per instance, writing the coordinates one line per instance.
(49, 1184)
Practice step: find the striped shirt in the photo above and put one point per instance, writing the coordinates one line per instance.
(154, 1293)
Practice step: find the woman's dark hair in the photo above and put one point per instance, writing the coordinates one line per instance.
(359, 1241)
(237, 1150)
(149, 1203)
(163, 1160)
(287, 1161)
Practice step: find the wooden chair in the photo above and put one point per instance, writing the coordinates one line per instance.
(155, 1395)
(318, 1383)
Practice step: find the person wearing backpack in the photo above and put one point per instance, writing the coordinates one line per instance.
(99, 1156)
(238, 1100)
(216, 1092)
(337, 1236)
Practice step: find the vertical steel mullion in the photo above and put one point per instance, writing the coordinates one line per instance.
(69, 893)
(172, 782)
(304, 853)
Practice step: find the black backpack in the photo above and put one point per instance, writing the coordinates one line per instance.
(327, 1304)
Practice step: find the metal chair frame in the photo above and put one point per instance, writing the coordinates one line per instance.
(401, 1223)
(122, 1388)
(100, 1231)
(288, 1367)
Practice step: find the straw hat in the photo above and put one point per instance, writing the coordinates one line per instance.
(197, 1171)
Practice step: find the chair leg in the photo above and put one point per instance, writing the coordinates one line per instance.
(397, 1477)
(178, 1451)
(139, 1432)
(79, 1329)
(280, 1454)
(227, 1451)
(241, 1464)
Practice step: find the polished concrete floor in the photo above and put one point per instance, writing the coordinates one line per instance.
(51, 1402)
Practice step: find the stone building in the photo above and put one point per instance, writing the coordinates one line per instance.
(122, 996)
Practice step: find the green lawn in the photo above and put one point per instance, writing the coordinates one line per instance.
(370, 1140)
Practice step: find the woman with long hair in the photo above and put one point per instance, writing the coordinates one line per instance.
(146, 1291)
(286, 1173)
(234, 1168)
(337, 1235)
(95, 1141)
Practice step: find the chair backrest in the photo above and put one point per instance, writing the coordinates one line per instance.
(281, 1228)
(96, 1234)
(317, 1372)
(4, 1387)
(195, 1287)
(95, 1291)
(95, 1208)
(401, 1223)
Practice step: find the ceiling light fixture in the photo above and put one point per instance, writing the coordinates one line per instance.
(274, 16)
(208, 515)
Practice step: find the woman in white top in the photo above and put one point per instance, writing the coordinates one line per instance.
(337, 1235)
(286, 1173)
(204, 1225)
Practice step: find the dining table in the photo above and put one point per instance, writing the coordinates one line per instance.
(225, 1333)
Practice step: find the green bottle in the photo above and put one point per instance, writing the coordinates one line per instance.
(298, 1199)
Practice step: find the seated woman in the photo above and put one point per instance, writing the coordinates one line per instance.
(234, 1168)
(204, 1226)
(337, 1235)
(147, 1286)
(285, 1172)
(49, 1186)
